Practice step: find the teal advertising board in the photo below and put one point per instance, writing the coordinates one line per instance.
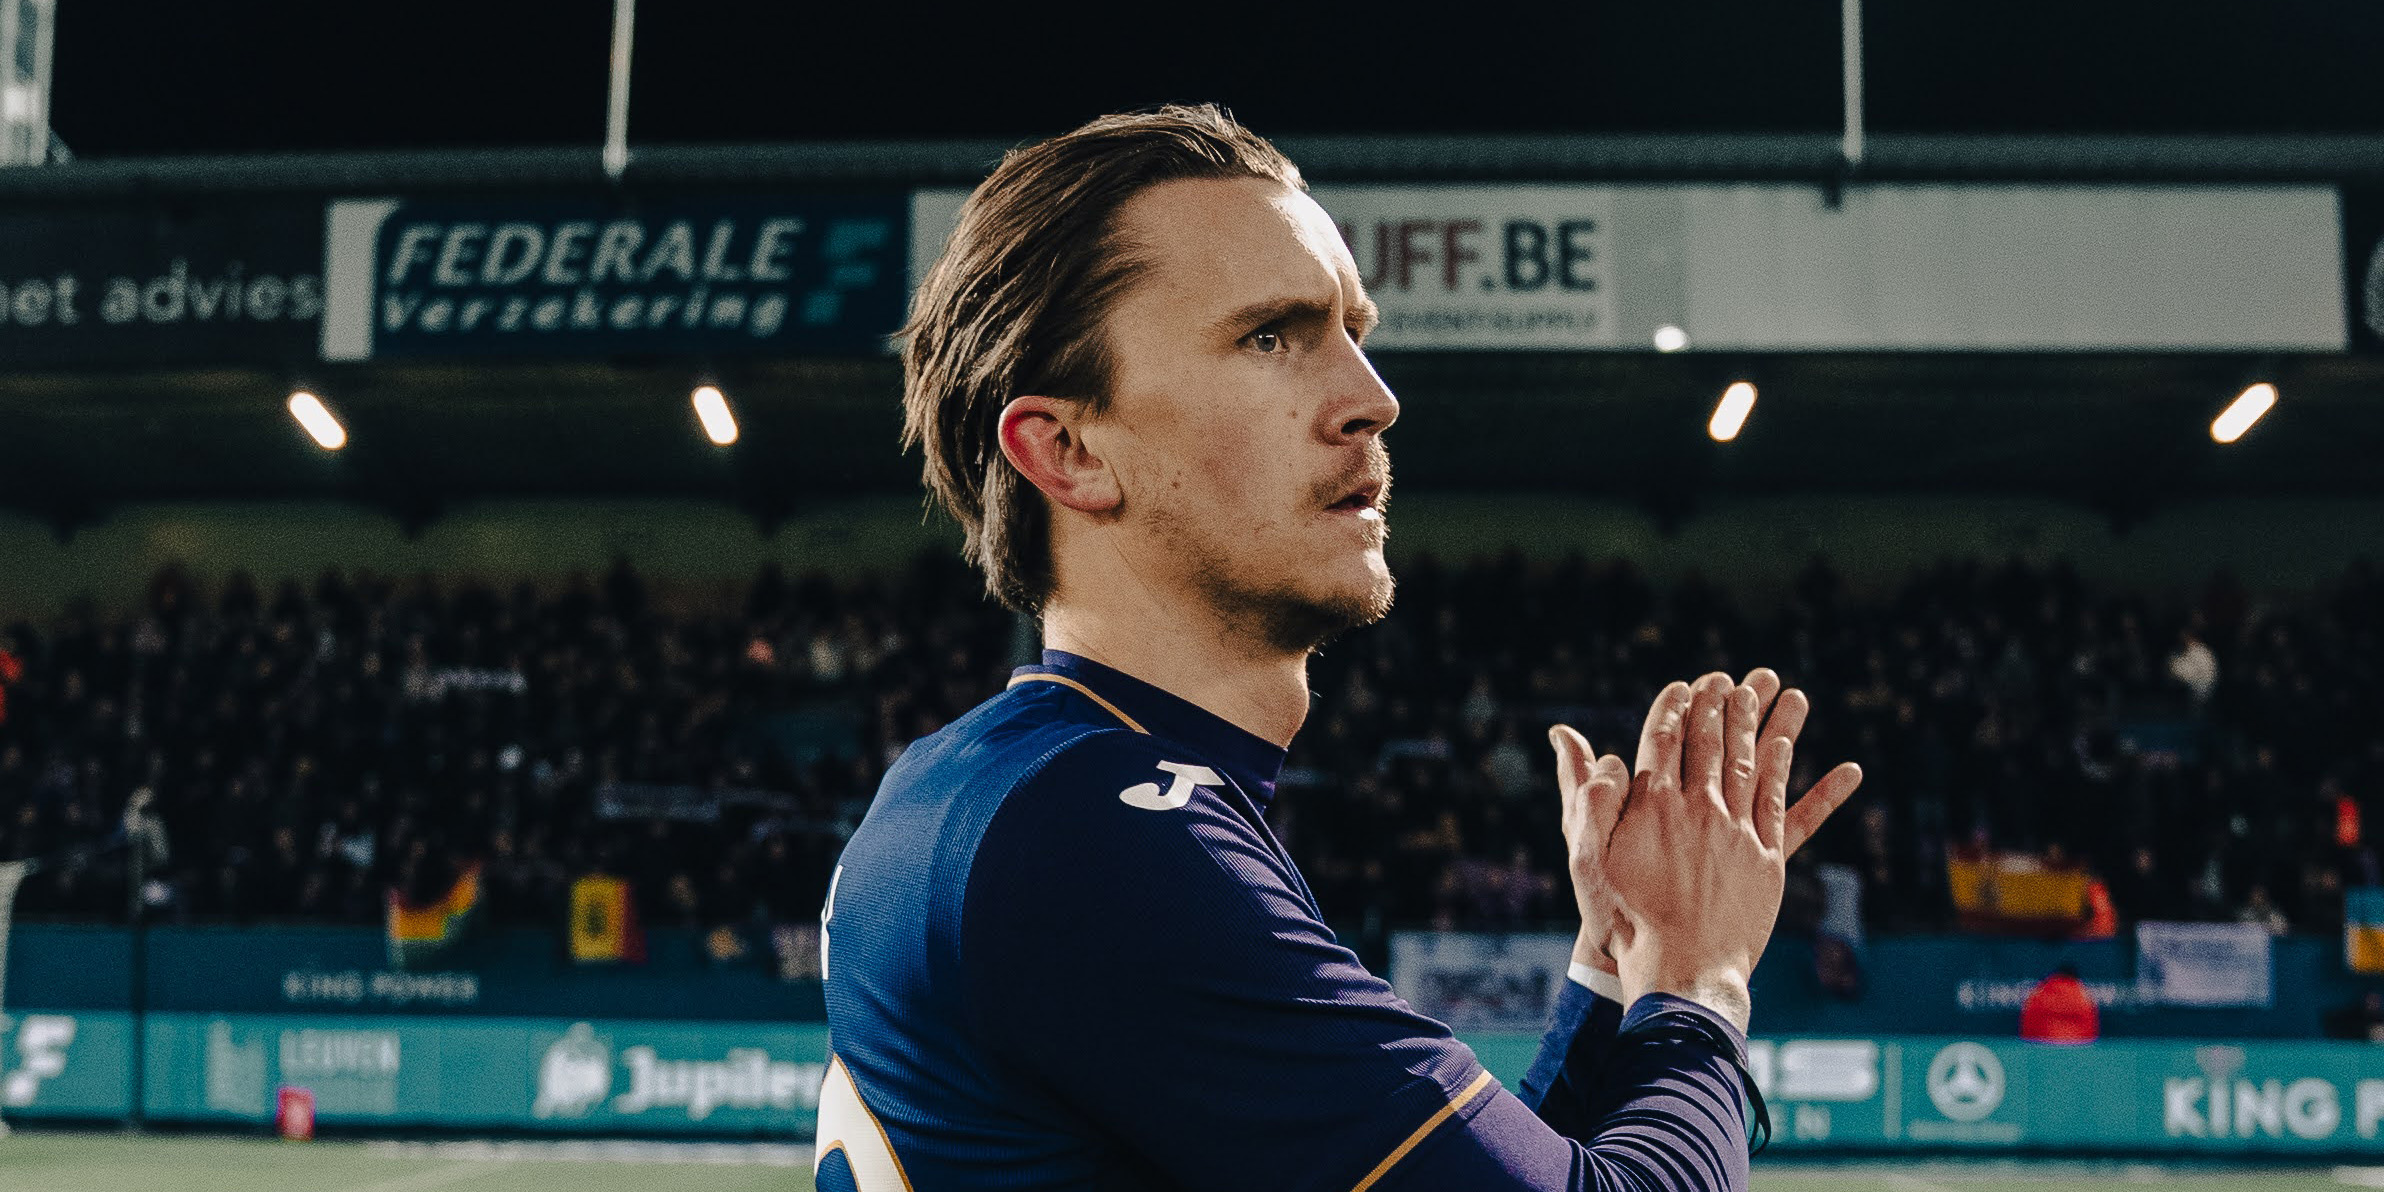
(529, 1074)
(2141, 1096)
(560, 1075)
(65, 1065)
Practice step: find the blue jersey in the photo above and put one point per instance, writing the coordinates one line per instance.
(1064, 951)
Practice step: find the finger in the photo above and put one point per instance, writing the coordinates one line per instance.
(1609, 793)
(1572, 768)
(1572, 773)
(1827, 796)
(1772, 760)
(1659, 739)
(1741, 714)
(1767, 688)
(1788, 717)
(1701, 759)
(1771, 797)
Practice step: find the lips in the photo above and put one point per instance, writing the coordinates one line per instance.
(1362, 497)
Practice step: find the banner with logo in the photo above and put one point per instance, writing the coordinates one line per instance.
(2363, 267)
(1888, 1092)
(597, 276)
(530, 1074)
(231, 282)
(2148, 1096)
(1484, 267)
(1475, 981)
(1781, 267)
(2204, 964)
(65, 1065)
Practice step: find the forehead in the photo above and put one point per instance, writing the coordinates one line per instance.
(1229, 240)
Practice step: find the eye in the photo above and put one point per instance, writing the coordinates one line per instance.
(1269, 340)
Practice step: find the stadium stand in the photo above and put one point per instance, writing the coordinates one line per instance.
(311, 747)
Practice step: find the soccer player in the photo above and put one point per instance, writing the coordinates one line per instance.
(1064, 951)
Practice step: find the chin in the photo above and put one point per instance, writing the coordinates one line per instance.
(1307, 622)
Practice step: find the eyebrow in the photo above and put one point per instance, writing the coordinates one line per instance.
(1259, 314)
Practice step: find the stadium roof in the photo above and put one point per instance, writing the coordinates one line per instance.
(2126, 434)
(1622, 157)
(2124, 431)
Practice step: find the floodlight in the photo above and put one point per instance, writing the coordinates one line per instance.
(2239, 416)
(326, 430)
(712, 407)
(1730, 414)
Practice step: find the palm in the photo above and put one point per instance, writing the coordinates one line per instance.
(1597, 789)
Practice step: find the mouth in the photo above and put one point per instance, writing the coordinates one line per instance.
(1363, 502)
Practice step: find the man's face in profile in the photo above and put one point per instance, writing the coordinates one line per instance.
(1246, 422)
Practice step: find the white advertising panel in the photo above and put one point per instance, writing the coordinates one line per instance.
(2204, 964)
(1480, 981)
(1780, 267)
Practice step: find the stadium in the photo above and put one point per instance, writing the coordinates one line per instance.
(463, 585)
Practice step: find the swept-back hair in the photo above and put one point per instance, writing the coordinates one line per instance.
(1017, 305)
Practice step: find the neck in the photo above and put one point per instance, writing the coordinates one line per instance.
(1197, 657)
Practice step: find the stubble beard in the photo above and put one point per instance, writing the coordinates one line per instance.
(1285, 619)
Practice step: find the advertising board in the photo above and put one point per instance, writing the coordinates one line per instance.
(551, 1075)
(1784, 267)
(230, 282)
(1480, 981)
(2166, 1096)
(589, 275)
(530, 1074)
(65, 1065)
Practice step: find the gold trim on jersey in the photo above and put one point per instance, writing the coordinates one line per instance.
(864, 1167)
(1085, 691)
(1465, 1098)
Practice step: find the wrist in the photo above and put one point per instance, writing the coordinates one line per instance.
(1720, 988)
(1725, 994)
(1592, 954)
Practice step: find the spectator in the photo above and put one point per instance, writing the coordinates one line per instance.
(310, 745)
(2059, 1010)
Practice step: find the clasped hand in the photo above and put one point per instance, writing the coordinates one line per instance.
(1678, 862)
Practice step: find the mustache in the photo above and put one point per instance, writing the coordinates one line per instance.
(1375, 468)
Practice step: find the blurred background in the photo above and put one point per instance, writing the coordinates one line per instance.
(459, 586)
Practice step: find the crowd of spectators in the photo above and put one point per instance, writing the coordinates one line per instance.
(310, 747)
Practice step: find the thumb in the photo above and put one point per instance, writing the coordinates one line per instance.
(1594, 788)
(1572, 757)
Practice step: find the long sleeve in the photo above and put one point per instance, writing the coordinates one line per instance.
(1580, 1036)
(1162, 976)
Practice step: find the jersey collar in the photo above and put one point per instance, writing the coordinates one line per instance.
(1251, 761)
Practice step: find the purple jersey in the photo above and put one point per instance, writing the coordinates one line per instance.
(1064, 951)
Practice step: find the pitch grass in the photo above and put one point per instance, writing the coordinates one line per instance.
(98, 1162)
(47, 1161)
(1793, 1175)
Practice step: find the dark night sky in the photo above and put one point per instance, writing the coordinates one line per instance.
(140, 77)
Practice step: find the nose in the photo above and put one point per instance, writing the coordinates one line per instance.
(1362, 404)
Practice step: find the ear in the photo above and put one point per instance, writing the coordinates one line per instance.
(1043, 438)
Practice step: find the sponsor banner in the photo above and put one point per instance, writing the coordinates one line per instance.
(1484, 267)
(228, 283)
(592, 276)
(530, 1074)
(498, 972)
(76, 1065)
(1475, 267)
(1779, 267)
(2204, 964)
(1886, 1092)
(1477, 981)
(2363, 267)
(2147, 1096)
